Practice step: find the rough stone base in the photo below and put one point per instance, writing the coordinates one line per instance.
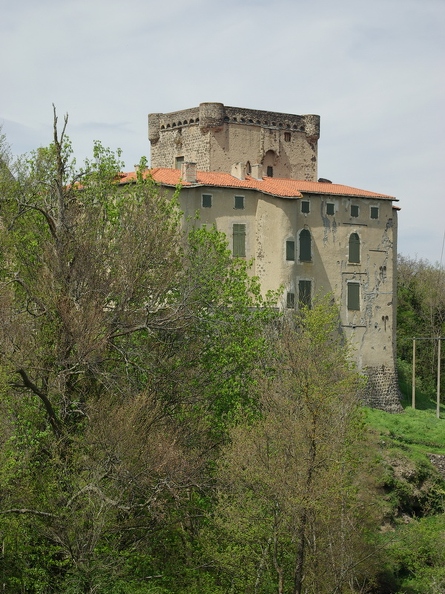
(382, 389)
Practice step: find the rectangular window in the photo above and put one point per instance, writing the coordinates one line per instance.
(354, 296)
(290, 302)
(178, 162)
(206, 200)
(269, 171)
(290, 249)
(330, 208)
(354, 210)
(287, 136)
(239, 241)
(374, 212)
(305, 293)
(239, 202)
(305, 206)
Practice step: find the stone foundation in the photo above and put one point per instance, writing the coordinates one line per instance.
(382, 389)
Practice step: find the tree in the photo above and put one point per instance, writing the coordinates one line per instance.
(116, 380)
(291, 511)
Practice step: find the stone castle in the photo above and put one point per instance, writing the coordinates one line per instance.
(254, 174)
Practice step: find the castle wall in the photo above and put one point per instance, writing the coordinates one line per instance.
(215, 137)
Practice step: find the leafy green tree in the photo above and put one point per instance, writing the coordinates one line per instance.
(121, 363)
(291, 513)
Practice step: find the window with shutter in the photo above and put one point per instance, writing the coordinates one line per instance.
(354, 296)
(239, 240)
(354, 248)
(305, 246)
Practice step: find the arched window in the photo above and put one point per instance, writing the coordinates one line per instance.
(354, 248)
(305, 246)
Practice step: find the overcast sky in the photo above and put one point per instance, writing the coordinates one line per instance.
(374, 70)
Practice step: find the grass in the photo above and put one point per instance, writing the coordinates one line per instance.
(418, 430)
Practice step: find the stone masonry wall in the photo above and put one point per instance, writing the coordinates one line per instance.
(382, 389)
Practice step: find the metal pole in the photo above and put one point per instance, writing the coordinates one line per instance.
(438, 379)
(413, 395)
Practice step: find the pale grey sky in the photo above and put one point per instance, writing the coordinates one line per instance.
(373, 70)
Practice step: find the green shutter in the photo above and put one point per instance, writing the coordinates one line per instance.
(305, 246)
(374, 212)
(239, 241)
(354, 296)
(330, 208)
(239, 202)
(354, 248)
(354, 210)
(305, 206)
(290, 250)
(305, 293)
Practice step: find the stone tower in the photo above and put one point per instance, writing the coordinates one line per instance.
(217, 138)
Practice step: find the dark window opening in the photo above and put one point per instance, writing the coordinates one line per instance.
(290, 301)
(290, 249)
(305, 246)
(305, 293)
(354, 210)
(354, 296)
(269, 171)
(354, 248)
(206, 200)
(330, 208)
(239, 202)
(239, 241)
(287, 136)
(305, 206)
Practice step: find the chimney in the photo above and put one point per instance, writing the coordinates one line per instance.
(238, 170)
(257, 171)
(188, 172)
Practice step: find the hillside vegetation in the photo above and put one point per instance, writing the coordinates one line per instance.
(165, 429)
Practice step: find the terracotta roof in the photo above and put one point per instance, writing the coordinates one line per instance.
(274, 186)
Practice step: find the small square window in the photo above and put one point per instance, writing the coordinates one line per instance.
(374, 212)
(239, 202)
(290, 249)
(330, 208)
(305, 206)
(290, 301)
(206, 200)
(354, 210)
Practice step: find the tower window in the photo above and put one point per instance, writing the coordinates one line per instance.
(269, 171)
(239, 241)
(374, 212)
(354, 248)
(305, 246)
(354, 296)
(206, 200)
(290, 249)
(178, 162)
(290, 300)
(239, 202)
(287, 136)
(305, 293)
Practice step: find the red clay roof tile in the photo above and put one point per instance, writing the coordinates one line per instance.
(274, 186)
